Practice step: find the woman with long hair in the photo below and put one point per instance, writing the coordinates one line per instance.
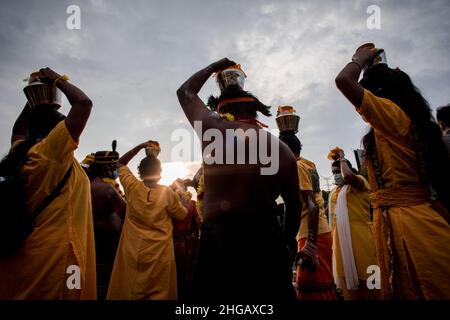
(57, 259)
(408, 172)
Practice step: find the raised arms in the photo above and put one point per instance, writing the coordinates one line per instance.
(123, 160)
(192, 105)
(347, 173)
(347, 79)
(81, 104)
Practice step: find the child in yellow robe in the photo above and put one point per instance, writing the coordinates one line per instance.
(144, 267)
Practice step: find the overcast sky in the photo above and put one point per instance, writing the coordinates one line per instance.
(131, 56)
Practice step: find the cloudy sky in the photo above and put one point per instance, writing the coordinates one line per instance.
(131, 56)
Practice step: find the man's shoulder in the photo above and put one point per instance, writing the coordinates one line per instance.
(100, 185)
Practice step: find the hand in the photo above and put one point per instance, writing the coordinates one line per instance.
(366, 53)
(47, 75)
(178, 186)
(308, 258)
(222, 64)
(182, 197)
(188, 182)
(144, 145)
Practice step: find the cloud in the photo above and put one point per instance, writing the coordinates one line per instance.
(130, 57)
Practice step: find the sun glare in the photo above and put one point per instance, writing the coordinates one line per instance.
(173, 170)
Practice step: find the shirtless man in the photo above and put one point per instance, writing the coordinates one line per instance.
(108, 209)
(243, 250)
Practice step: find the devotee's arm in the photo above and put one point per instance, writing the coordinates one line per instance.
(175, 208)
(81, 104)
(192, 105)
(348, 175)
(347, 79)
(118, 203)
(313, 214)
(123, 160)
(292, 201)
(20, 128)
(309, 253)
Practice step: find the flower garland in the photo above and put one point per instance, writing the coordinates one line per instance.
(334, 153)
(200, 195)
(187, 195)
(227, 116)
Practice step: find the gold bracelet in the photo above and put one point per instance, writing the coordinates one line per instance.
(64, 77)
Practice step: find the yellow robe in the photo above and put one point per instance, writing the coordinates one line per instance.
(63, 233)
(304, 168)
(144, 267)
(362, 234)
(411, 237)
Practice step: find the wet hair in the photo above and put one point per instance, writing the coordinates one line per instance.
(42, 120)
(292, 141)
(443, 115)
(396, 85)
(149, 167)
(239, 109)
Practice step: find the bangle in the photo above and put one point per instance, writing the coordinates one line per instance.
(357, 63)
(311, 238)
(64, 77)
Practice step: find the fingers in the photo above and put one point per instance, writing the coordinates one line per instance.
(379, 51)
(366, 45)
(223, 64)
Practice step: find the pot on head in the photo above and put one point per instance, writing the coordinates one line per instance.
(153, 149)
(287, 119)
(232, 76)
(39, 93)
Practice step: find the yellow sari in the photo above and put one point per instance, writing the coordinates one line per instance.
(411, 237)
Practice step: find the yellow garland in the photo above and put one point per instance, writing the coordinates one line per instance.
(334, 153)
(200, 191)
(227, 116)
(188, 195)
(64, 77)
